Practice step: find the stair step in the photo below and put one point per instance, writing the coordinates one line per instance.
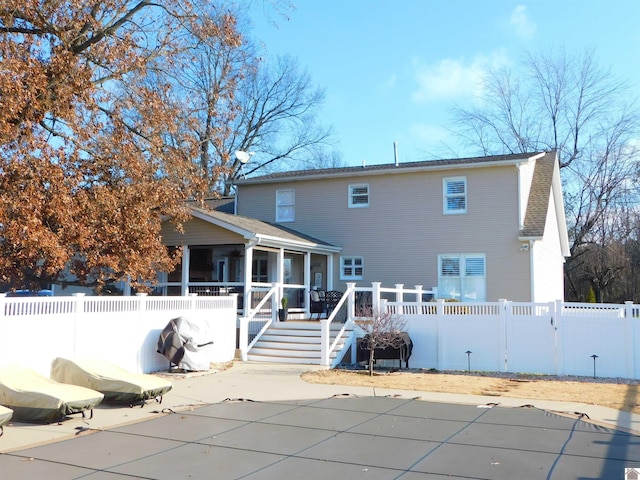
(296, 342)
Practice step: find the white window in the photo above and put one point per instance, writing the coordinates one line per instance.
(462, 277)
(351, 268)
(285, 205)
(454, 195)
(359, 195)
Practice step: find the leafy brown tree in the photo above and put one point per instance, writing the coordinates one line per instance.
(91, 157)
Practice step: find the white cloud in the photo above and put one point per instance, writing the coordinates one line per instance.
(525, 28)
(453, 79)
(390, 82)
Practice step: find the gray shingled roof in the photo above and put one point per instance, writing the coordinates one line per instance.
(427, 164)
(539, 196)
(256, 227)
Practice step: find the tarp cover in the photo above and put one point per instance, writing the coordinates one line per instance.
(117, 384)
(187, 343)
(5, 415)
(36, 398)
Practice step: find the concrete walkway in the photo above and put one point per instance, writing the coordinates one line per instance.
(269, 382)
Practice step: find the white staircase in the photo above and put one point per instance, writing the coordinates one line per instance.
(296, 342)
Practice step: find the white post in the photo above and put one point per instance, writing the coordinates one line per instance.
(350, 302)
(142, 308)
(419, 300)
(248, 279)
(400, 299)
(324, 339)
(556, 312)
(629, 346)
(184, 280)
(79, 313)
(330, 272)
(440, 333)
(418, 293)
(502, 332)
(243, 338)
(4, 327)
(375, 296)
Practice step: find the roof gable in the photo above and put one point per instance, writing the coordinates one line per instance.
(545, 181)
(258, 230)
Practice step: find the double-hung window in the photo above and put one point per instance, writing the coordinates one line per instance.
(454, 195)
(285, 205)
(351, 268)
(462, 277)
(359, 195)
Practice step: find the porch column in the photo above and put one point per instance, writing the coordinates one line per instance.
(280, 274)
(184, 281)
(248, 278)
(307, 283)
(330, 272)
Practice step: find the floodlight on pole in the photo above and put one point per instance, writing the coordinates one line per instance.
(243, 157)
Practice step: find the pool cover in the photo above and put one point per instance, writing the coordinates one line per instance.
(339, 437)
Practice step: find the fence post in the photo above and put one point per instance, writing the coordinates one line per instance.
(440, 333)
(502, 332)
(141, 298)
(419, 298)
(556, 312)
(3, 328)
(375, 296)
(630, 345)
(79, 313)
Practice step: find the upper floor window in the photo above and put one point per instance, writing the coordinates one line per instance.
(285, 205)
(359, 195)
(351, 268)
(454, 195)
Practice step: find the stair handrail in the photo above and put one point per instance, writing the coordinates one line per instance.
(243, 339)
(325, 348)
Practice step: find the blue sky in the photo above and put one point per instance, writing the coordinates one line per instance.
(393, 69)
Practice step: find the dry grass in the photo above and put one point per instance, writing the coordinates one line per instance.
(613, 393)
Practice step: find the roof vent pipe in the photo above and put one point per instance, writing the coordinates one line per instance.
(395, 152)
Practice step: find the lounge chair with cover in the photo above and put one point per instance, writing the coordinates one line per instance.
(117, 384)
(37, 399)
(5, 416)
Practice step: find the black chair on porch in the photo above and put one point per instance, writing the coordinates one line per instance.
(317, 303)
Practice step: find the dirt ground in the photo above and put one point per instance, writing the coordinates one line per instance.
(620, 394)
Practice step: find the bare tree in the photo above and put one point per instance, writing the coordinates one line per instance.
(276, 120)
(381, 330)
(568, 104)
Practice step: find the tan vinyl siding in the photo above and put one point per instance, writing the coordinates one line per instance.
(198, 232)
(403, 230)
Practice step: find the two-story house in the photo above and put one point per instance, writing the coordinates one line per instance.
(478, 229)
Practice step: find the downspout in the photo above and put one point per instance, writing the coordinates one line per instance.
(532, 287)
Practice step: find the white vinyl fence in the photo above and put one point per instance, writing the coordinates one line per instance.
(122, 330)
(554, 338)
